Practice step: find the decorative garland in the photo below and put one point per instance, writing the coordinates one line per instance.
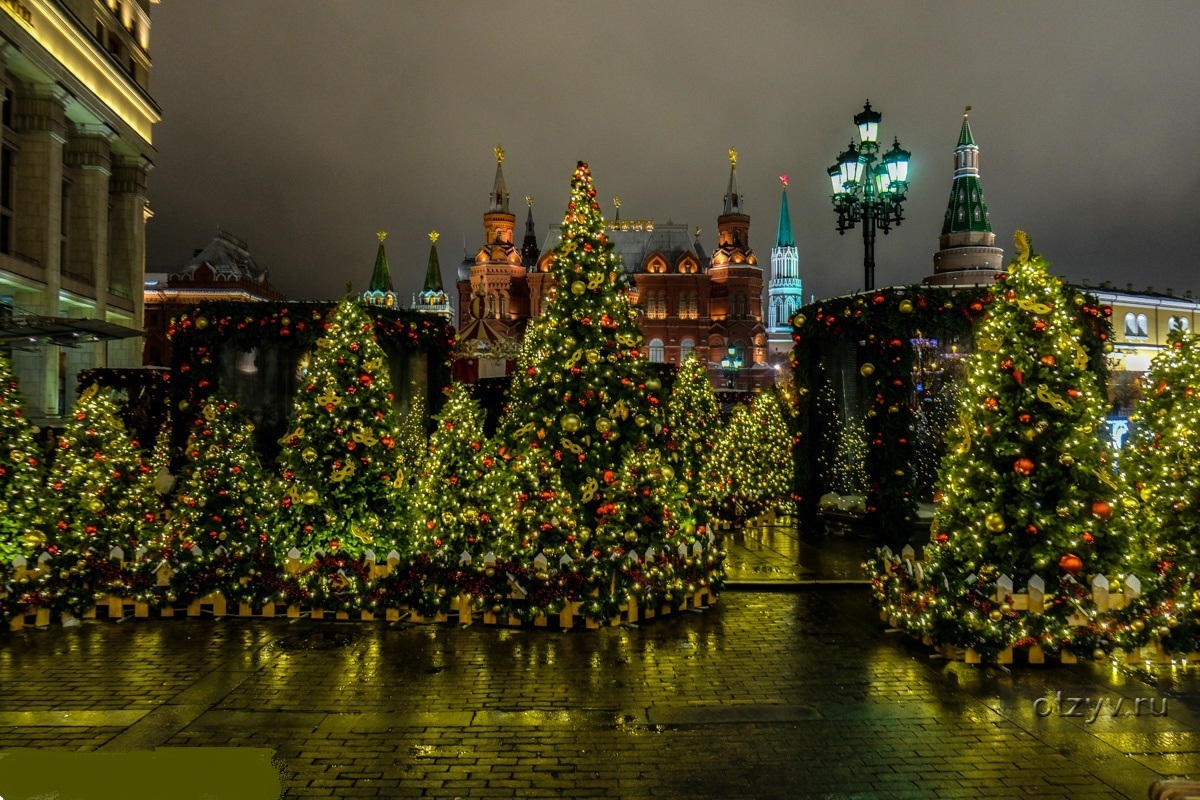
(882, 324)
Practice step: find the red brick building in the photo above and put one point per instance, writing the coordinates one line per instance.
(689, 301)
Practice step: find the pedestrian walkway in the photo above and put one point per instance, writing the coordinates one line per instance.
(776, 555)
(765, 695)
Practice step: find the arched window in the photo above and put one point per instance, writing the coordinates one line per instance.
(1130, 324)
(1143, 325)
(1184, 325)
(685, 349)
(656, 351)
(1173, 323)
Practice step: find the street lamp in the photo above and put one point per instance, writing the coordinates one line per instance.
(869, 192)
(730, 365)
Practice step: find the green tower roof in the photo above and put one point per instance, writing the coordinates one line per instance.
(966, 212)
(433, 272)
(784, 237)
(381, 276)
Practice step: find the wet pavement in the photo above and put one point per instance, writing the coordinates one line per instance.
(778, 556)
(798, 694)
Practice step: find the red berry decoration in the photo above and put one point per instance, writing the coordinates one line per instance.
(1024, 466)
(1071, 564)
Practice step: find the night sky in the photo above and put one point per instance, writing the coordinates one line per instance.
(306, 126)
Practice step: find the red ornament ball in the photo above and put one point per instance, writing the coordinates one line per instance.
(1071, 564)
(1102, 510)
(1024, 466)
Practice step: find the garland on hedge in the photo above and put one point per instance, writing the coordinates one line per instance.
(881, 324)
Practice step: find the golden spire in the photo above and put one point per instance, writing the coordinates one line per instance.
(966, 111)
(698, 231)
(433, 237)
(499, 151)
(382, 235)
(617, 202)
(733, 157)
(529, 200)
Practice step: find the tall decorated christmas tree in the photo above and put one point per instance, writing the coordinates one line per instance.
(96, 509)
(216, 538)
(20, 476)
(1027, 490)
(694, 425)
(1161, 463)
(754, 456)
(341, 477)
(584, 405)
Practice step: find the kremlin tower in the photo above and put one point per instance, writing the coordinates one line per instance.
(785, 293)
(736, 296)
(967, 255)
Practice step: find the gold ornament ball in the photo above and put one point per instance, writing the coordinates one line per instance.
(653, 384)
(995, 616)
(310, 497)
(1066, 459)
(603, 425)
(906, 307)
(489, 572)
(994, 522)
(571, 423)
(34, 539)
(668, 472)
(640, 420)
(631, 536)
(1172, 622)
(1005, 608)
(1138, 625)
(578, 287)
(799, 320)
(1078, 300)
(95, 505)
(867, 370)
(201, 323)
(1099, 654)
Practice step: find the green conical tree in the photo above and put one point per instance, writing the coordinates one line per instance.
(694, 424)
(1027, 489)
(20, 476)
(96, 504)
(217, 536)
(754, 456)
(341, 476)
(1161, 462)
(412, 440)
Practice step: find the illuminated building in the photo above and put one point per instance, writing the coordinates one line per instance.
(688, 301)
(76, 150)
(223, 270)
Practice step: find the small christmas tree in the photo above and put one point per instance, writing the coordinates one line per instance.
(342, 479)
(96, 509)
(694, 421)
(1161, 463)
(754, 453)
(1027, 491)
(216, 537)
(20, 475)
(445, 507)
(412, 440)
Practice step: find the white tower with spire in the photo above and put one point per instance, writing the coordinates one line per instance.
(785, 292)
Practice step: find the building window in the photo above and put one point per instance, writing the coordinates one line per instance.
(739, 349)
(1143, 325)
(1177, 324)
(656, 351)
(685, 349)
(1130, 324)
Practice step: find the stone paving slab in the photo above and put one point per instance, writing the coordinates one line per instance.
(797, 695)
(779, 556)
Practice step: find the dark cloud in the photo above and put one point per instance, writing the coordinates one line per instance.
(306, 126)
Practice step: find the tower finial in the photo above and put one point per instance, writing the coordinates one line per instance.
(433, 237)
(733, 156)
(617, 202)
(382, 235)
(529, 200)
(783, 179)
(966, 111)
(499, 151)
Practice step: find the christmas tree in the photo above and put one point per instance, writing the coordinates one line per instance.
(1026, 490)
(754, 454)
(584, 408)
(1161, 463)
(412, 441)
(342, 479)
(96, 509)
(20, 475)
(216, 537)
(445, 507)
(694, 424)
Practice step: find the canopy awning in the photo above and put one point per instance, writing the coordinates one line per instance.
(20, 332)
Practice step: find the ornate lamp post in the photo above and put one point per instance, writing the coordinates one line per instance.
(731, 364)
(869, 192)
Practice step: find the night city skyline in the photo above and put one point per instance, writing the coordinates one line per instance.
(305, 129)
